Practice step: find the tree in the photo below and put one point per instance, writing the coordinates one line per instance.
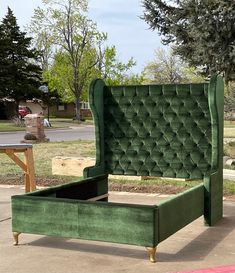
(114, 71)
(203, 32)
(20, 76)
(44, 44)
(229, 101)
(169, 68)
(60, 75)
(3, 64)
(166, 68)
(74, 34)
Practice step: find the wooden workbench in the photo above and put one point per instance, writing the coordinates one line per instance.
(27, 166)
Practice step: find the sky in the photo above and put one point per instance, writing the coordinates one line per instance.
(120, 19)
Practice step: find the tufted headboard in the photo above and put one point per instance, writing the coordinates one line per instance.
(159, 130)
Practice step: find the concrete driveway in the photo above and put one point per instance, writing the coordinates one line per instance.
(193, 247)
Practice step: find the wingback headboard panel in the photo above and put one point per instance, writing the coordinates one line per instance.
(157, 130)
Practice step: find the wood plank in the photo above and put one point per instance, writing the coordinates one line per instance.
(17, 160)
(15, 146)
(2, 151)
(30, 168)
(27, 182)
(98, 197)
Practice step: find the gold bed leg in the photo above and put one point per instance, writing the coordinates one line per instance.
(16, 238)
(152, 254)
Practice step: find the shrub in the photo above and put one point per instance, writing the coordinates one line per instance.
(30, 137)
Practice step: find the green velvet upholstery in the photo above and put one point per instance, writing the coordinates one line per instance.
(100, 221)
(145, 130)
(157, 131)
(180, 210)
(162, 130)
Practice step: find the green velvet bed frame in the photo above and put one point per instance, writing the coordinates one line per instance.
(144, 130)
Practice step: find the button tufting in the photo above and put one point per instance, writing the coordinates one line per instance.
(181, 132)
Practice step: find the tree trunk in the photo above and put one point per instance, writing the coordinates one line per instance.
(16, 108)
(78, 106)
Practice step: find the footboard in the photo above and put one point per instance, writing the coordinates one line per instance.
(180, 210)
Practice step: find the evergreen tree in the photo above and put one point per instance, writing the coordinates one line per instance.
(3, 64)
(20, 75)
(203, 32)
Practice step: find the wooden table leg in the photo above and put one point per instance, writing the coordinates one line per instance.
(26, 182)
(30, 184)
(27, 165)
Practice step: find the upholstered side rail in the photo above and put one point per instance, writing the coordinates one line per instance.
(96, 95)
(180, 210)
(102, 221)
(82, 190)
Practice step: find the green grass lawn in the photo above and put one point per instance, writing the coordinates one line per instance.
(229, 129)
(44, 152)
(229, 149)
(9, 126)
(229, 123)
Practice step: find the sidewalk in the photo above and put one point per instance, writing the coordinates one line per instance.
(229, 174)
(193, 247)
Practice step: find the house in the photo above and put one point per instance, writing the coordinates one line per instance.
(8, 107)
(60, 110)
(68, 110)
(35, 106)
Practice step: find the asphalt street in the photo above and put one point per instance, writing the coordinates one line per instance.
(86, 132)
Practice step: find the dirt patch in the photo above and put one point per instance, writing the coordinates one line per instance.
(40, 181)
(167, 189)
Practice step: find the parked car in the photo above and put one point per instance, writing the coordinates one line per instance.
(23, 111)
